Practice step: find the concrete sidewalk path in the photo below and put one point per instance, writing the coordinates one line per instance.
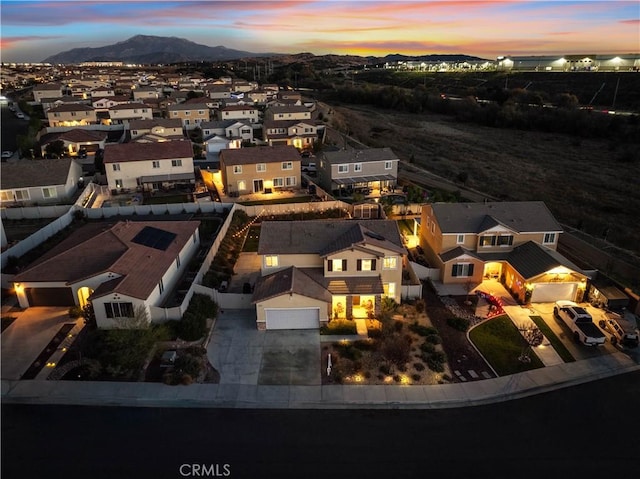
(317, 396)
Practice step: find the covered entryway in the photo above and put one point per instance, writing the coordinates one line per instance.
(550, 292)
(83, 296)
(293, 318)
(50, 296)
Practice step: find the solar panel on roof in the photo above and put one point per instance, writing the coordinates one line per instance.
(154, 238)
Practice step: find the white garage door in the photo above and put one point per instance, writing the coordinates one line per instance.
(296, 318)
(550, 292)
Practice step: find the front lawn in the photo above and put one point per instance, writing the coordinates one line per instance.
(560, 348)
(501, 344)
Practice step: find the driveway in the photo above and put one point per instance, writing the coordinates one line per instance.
(244, 355)
(28, 335)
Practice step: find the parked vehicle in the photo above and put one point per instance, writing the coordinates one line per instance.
(20, 115)
(623, 329)
(579, 322)
(6, 155)
(310, 168)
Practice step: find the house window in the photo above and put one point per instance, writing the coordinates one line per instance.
(357, 167)
(366, 265)
(21, 195)
(287, 165)
(119, 310)
(433, 227)
(337, 265)
(388, 165)
(161, 286)
(486, 241)
(6, 196)
(464, 270)
(178, 262)
(155, 164)
(278, 182)
(505, 240)
(271, 261)
(290, 181)
(343, 168)
(118, 183)
(460, 239)
(176, 162)
(261, 167)
(549, 238)
(116, 167)
(49, 193)
(237, 169)
(389, 289)
(390, 262)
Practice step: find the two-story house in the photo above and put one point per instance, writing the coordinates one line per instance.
(157, 129)
(123, 113)
(353, 170)
(141, 93)
(191, 114)
(247, 112)
(297, 133)
(72, 115)
(511, 242)
(262, 169)
(226, 134)
(315, 271)
(123, 269)
(47, 90)
(284, 113)
(149, 166)
(104, 103)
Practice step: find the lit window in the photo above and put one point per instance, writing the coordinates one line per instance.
(118, 183)
(389, 289)
(271, 261)
(464, 270)
(6, 196)
(366, 265)
(261, 167)
(337, 265)
(549, 238)
(390, 262)
(487, 241)
(237, 169)
(176, 162)
(343, 168)
(460, 239)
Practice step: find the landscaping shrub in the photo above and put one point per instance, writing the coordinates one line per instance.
(385, 369)
(436, 361)
(420, 306)
(75, 312)
(396, 349)
(374, 333)
(422, 330)
(396, 378)
(193, 325)
(433, 339)
(418, 366)
(461, 324)
(347, 351)
(427, 347)
(397, 326)
(364, 345)
(415, 377)
(339, 326)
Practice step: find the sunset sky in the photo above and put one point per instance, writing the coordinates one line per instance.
(33, 30)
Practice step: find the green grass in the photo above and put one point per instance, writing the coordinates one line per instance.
(553, 339)
(253, 237)
(277, 201)
(501, 344)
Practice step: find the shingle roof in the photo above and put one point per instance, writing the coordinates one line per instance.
(531, 259)
(259, 154)
(124, 152)
(288, 109)
(148, 124)
(31, 173)
(289, 280)
(129, 106)
(323, 236)
(77, 135)
(456, 253)
(360, 156)
(70, 107)
(113, 250)
(359, 285)
(520, 216)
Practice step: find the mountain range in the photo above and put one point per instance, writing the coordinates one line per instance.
(149, 49)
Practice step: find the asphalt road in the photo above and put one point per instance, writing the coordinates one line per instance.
(588, 431)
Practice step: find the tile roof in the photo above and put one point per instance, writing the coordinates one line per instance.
(347, 284)
(359, 156)
(290, 280)
(148, 124)
(77, 135)
(139, 267)
(519, 216)
(129, 106)
(123, 152)
(238, 108)
(70, 107)
(321, 237)
(258, 154)
(30, 173)
(288, 109)
(531, 259)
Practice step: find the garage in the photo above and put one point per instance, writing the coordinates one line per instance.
(293, 318)
(50, 296)
(551, 292)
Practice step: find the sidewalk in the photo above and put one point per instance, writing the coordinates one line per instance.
(318, 397)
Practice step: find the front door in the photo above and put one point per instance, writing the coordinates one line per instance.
(258, 186)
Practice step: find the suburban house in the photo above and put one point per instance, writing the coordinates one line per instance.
(75, 141)
(262, 169)
(123, 269)
(226, 134)
(511, 242)
(218, 91)
(157, 129)
(141, 93)
(102, 91)
(47, 90)
(126, 112)
(283, 113)
(239, 112)
(315, 271)
(38, 181)
(76, 114)
(149, 166)
(300, 134)
(191, 114)
(104, 103)
(353, 170)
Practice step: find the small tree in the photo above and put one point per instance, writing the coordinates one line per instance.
(55, 149)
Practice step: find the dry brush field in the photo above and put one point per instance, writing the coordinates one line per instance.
(584, 182)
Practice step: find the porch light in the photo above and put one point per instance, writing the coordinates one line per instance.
(18, 287)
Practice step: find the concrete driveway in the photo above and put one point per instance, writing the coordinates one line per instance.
(28, 335)
(244, 355)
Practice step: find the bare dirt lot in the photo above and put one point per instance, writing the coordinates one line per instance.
(589, 184)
